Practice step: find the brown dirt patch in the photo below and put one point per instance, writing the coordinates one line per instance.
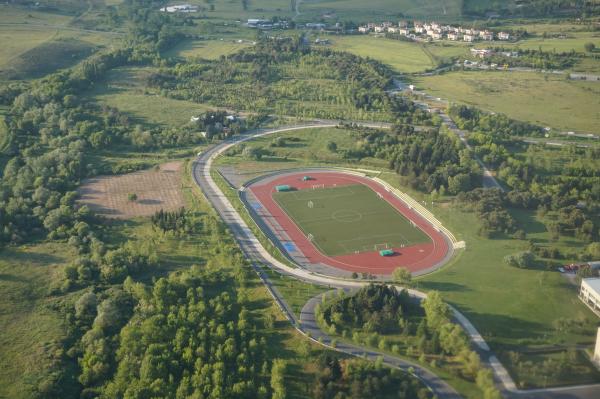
(156, 190)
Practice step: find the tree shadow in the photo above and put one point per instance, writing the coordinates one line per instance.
(12, 278)
(528, 221)
(31, 257)
(506, 327)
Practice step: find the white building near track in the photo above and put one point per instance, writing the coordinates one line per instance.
(589, 293)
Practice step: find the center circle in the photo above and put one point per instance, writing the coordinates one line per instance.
(346, 216)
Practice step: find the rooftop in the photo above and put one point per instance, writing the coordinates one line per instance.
(593, 283)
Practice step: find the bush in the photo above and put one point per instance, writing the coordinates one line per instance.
(520, 259)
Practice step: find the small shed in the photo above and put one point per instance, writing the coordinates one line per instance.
(386, 252)
(283, 188)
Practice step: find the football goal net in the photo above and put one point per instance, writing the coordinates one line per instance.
(317, 186)
(311, 204)
(379, 247)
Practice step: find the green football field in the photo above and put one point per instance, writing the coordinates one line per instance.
(346, 219)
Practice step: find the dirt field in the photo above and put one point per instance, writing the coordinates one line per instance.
(155, 190)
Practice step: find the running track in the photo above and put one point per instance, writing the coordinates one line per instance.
(415, 258)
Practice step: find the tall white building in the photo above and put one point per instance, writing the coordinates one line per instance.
(589, 293)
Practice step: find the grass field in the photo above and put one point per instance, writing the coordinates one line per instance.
(402, 56)
(548, 100)
(31, 329)
(35, 43)
(359, 10)
(124, 89)
(207, 49)
(347, 219)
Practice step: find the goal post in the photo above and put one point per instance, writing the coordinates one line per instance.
(379, 247)
(311, 204)
(317, 186)
(310, 237)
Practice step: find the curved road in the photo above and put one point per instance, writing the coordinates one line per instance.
(254, 251)
(310, 326)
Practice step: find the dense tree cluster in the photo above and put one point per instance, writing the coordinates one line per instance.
(379, 311)
(179, 221)
(284, 76)
(534, 59)
(357, 379)
(490, 206)
(188, 335)
(564, 181)
(427, 160)
(373, 308)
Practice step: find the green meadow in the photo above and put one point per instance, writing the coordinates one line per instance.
(545, 99)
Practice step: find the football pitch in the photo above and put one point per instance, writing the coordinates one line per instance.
(348, 219)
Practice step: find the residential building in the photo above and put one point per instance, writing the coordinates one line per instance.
(503, 36)
(453, 36)
(589, 293)
(404, 31)
(468, 38)
(379, 29)
(180, 8)
(486, 35)
(482, 53)
(364, 29)
(596, 357)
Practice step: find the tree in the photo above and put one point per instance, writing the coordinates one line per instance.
(437, 311)
(402, 275)
(589, 47)
(593, 250)
(132, 197)
(332, 146)
(85, 307)
(255, 153)
(459, 183)
(277, 379)
(521, 259)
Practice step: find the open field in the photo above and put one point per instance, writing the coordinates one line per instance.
(31, 329)
(300, 149)
(402, 56)
(547, 100)
(155, 190)
(347, 219)
(35, 43)
(46, 58)
(380, 9)
(124, 89)
(208, 49)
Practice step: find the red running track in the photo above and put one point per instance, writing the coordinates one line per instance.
(414, 258)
